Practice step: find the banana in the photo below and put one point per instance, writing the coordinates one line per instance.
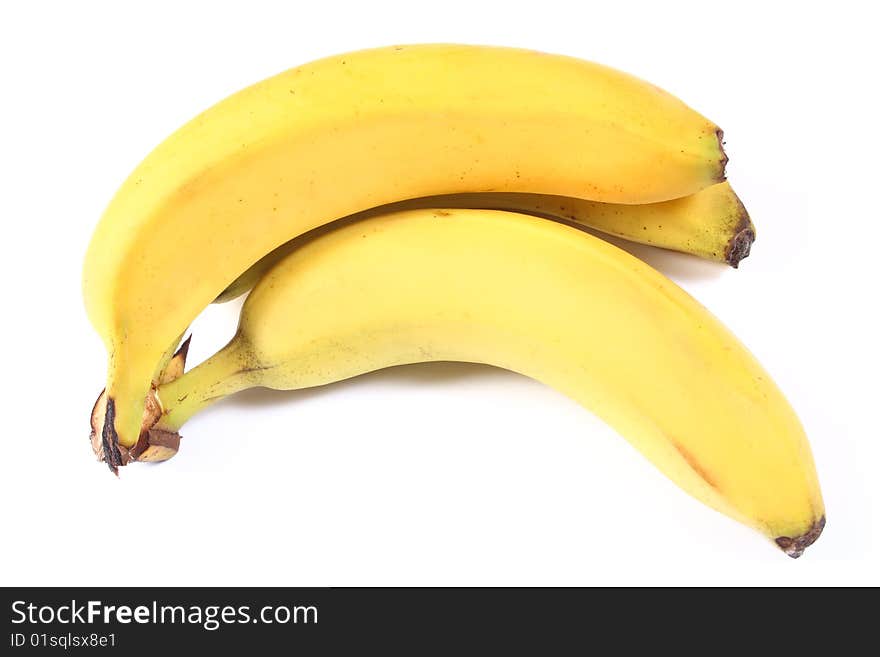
(356, 131)
(153, 443)
(712, 224)
(542, 299)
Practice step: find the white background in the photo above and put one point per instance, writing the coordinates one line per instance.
(440, 474)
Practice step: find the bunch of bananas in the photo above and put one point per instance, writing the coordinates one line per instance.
(395, 206)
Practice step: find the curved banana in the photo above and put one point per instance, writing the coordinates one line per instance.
(712, 224)
(352, 132)
(545, 300)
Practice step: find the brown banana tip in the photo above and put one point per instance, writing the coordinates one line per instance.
(110, 440)
(722, 174)
(794, 547)
(740, 245)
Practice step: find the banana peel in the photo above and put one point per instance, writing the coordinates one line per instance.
(154, 444)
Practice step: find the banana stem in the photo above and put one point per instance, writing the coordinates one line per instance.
(223, 374)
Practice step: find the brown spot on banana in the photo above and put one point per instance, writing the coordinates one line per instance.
(695, 465)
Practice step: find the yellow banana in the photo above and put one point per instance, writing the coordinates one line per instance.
(356, 131)
(712, 224)
(545, 300)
